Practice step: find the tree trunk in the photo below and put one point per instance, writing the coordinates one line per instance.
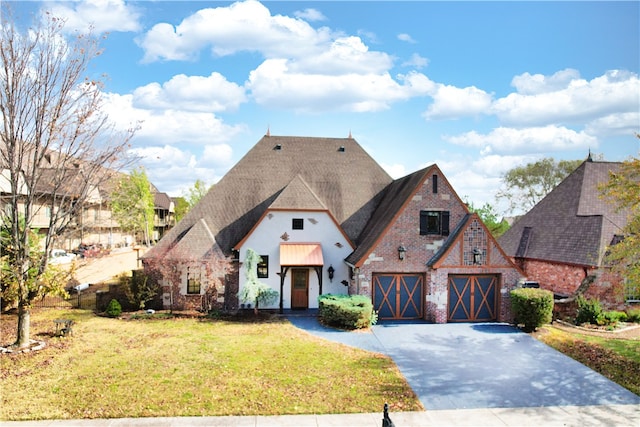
(24, 326)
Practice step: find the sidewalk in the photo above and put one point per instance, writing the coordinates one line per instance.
(614, 415)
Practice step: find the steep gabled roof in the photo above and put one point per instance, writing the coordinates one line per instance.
(572, 224)
(342, 176)
(396, 195)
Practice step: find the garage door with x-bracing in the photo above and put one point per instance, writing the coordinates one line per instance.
(398, 296)
(472, 298)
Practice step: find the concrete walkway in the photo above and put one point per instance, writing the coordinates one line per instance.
(578, 416)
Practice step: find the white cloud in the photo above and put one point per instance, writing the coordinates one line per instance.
(167, 126)
(275, 85)
(310, 15)
(528, 140)
(615, 124)
(453, 102)
(242, 26)
(343, 55)
(527, 84)
(192, 93)
(396, 170)
(416, 61)
(102, 15)
(564, 98)
(173, 170)
(406, 38)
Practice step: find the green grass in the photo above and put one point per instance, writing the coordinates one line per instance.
(191, 367)
(616, 359)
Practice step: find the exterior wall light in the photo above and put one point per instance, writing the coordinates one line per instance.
(476, 256)
(331, 270)
(402, 252)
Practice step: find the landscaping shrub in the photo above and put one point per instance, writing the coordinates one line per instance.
(114, 309)
(612, 318)
(633, 315)
(347, 312)
(532, 307)
(589, 311)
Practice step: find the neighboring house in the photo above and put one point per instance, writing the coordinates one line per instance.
(326, 218)
(93, 222)
(163, 215)
(561, 242)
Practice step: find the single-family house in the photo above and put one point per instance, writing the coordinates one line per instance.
(562, 241)
(326, 218)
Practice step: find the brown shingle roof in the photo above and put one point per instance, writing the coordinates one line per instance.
(337, 171)
(572, 224)
(394, 197)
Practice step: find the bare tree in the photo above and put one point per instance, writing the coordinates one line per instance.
(57, 146)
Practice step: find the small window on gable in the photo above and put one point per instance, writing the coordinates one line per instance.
(434, 181)
(193, 280)
(263, 267)
(434, 222)
(297, 224)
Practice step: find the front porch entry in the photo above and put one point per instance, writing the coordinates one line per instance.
(299, 258)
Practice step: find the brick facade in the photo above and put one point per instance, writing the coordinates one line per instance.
(564, 280)
(405, 231)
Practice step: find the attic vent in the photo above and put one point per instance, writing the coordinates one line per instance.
(341, 149)
(278, 147)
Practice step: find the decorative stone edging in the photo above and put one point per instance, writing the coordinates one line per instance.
(33, 346)
(582, 328)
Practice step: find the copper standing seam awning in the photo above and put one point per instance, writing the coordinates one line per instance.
(299, 255)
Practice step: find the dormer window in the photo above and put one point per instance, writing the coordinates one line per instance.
(297, 224)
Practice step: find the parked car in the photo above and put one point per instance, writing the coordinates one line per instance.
(60, 256)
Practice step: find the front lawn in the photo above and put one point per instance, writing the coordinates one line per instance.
(616, 358)
(114, 368)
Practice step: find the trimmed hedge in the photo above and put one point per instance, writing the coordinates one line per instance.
(532, 307)
(346, 311)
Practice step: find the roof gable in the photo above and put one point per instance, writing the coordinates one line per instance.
(337, 172)
(572, 224)
(297, 196)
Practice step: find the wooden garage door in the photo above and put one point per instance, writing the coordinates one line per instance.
(473, 298)
(398, 296)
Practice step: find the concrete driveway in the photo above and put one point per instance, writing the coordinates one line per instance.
(480, 365)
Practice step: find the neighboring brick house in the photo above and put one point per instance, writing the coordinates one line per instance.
(561, 242)
(326, 218)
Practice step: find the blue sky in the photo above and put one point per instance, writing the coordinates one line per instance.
(476, 87)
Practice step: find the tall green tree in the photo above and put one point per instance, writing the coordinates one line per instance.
(181, 207)
(132, 203)
(490, 217)
(524, 186)
(623, 189)
(197, 192)
(56, 145)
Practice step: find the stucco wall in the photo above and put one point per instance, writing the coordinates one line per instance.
(319, 227)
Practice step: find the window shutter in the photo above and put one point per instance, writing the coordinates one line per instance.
(445, 223)
(423, 223)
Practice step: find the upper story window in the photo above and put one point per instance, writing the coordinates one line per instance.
(434, 181)
(193, 280)
(434, 222)
(297, 224)
(263, 267)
